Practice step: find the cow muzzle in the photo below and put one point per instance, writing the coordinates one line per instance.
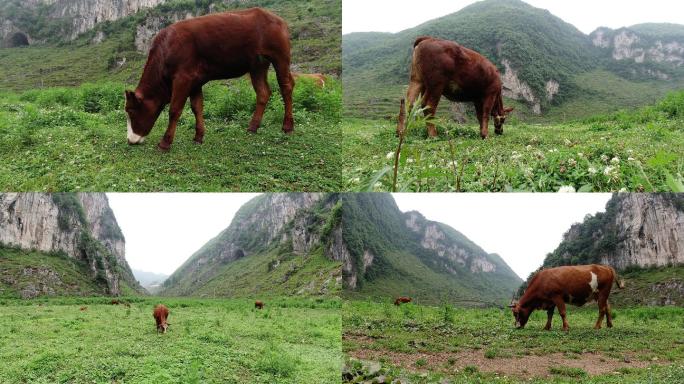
(132, 137)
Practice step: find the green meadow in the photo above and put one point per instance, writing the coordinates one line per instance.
(88, 340)
(630, 150)
(428, 344)
(73, 139)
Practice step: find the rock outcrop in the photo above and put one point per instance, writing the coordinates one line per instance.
(80, 226)
(637, 230)
(632, 44)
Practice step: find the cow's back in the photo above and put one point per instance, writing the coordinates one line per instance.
(437, 58)
(221, 40)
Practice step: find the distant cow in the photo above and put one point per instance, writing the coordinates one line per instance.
(161, 314)
(553, 287)
(115, 302)
(318, 78)
(83, 308)
(441, 67)
(259, 304)
(190, 53)
(402, 300)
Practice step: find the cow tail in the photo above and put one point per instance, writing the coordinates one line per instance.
(620, 283)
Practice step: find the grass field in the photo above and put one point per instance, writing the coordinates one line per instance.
(428, 344)
(73, 139)
(630, 150)
(209, 341)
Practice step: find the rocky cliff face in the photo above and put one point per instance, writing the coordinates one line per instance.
(433, 236)
(81, 226)
(78, 16)
(632, 44)
(642, 230)
(292, 222)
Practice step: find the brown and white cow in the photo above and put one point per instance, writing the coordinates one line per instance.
(553, 287)
(258, 304)
(161, 314)
(402, 300)
(190, 53)
(445, 68)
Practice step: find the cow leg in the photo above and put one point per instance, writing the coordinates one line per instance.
(431, 101)
(487, 106)
(415, 88)
(259, 78)
(197, 105)
(549, 317)
(179, 94)
(609, 318)
(286, 83)
(603, 306)
(560, 304)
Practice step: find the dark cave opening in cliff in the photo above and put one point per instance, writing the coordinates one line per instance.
(18, 39)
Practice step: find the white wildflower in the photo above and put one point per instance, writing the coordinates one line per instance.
(592, 170)
(567, 142)
(572, 162)
(410, 160)
(515, 155)
(631, 158)
(566, 189)
(389, 155)
(622, 190)
(604, 158)
(615, 160)
(580, 155)
(529, 147)
(528, 172)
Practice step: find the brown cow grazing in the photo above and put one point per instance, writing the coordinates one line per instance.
(83, 308)
(259, 304)
(318, 78)
(444, 68)
(190, 53)
(401, 300)
(553, 287)
(115, 302)
(161, 313)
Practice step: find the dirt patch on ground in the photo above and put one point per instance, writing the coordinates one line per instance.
(523, 366)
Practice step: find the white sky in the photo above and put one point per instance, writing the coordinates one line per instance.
(521, 227)
(163, 230)
(586, 15)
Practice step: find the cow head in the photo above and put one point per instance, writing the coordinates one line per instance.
(141, 114)
(162, 327)
(521, 314)
(500, 118)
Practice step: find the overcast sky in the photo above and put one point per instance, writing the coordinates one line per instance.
(521, 227)
(586, 15)
(163, 230)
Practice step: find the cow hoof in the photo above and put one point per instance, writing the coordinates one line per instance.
(198, 141)
(252, 130)
(163, 147)
(499, 132)
(288, 132)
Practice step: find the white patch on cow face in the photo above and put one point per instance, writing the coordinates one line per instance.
(594, 282)
(133, 138)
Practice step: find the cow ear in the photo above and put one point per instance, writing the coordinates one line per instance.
(508, 110)
(133, 98)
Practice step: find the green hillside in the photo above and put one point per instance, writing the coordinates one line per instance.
(651, 286)
(255, 276)
(315, 30)
(538, 45)
(248, 259)
(29, 274)
(402, 266)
